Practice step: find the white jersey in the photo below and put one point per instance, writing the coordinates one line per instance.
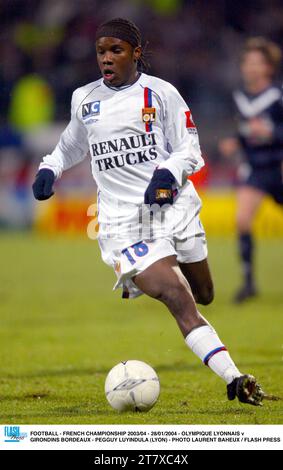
(129, 132)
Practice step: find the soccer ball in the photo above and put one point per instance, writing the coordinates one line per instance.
(132, 386)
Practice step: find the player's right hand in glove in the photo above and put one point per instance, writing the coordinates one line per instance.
(160, 189)
(42, 186)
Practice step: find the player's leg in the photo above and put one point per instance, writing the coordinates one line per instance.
(248, 201)
(164, 281)
(199, 278)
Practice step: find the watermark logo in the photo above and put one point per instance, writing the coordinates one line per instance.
(128, 221)
(14, 434)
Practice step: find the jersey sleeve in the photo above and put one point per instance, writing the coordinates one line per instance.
(182, 138)
(72, 147)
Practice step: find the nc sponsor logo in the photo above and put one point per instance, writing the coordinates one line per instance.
(90, 109)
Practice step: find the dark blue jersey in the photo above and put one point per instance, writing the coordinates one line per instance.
(267, 105)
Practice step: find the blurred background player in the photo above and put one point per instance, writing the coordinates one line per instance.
(260, 139)
(144, 145)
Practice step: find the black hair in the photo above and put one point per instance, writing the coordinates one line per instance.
(127, 31)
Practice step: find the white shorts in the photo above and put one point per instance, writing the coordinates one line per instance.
(184, 237)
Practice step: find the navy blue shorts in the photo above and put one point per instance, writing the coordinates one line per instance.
(269, 180)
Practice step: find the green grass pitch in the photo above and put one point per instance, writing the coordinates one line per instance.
(62, 329)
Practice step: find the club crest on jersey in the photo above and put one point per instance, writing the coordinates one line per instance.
(148, 114)
(90, 109)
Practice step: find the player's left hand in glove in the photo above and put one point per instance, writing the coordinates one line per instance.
(42, 187)
(160, 189)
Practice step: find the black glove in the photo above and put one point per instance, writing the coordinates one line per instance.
(159, 190)
(42, 187)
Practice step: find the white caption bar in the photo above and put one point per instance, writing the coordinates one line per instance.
(141, 437)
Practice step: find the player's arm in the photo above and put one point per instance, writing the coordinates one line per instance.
(184, 151)
(70, 150)
(182, 139)
(267, 130)
(277, 130)
(229, 147)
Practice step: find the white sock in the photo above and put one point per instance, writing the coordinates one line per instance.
(204, 342)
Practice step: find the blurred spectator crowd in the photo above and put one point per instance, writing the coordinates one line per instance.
(47, 49)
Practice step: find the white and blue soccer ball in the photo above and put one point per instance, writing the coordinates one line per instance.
(132, 386)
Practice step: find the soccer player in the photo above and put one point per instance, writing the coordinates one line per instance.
(260, 138)
(143, 145)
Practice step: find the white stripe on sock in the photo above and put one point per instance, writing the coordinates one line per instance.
(202, 341)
